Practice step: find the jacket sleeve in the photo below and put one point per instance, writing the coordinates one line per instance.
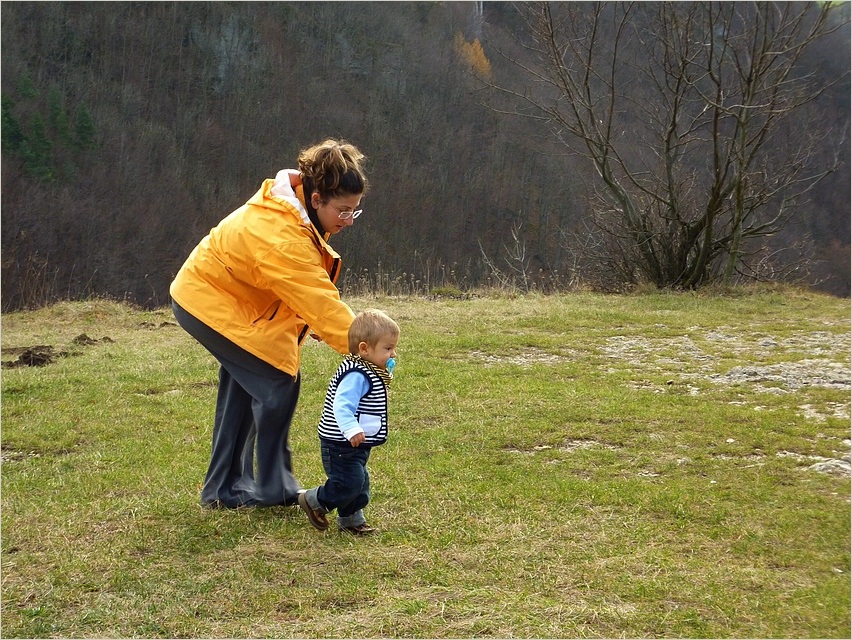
(294, 274)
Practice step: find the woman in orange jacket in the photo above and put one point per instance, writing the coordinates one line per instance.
(250, 293)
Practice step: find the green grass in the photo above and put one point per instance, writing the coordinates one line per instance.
(575, 465)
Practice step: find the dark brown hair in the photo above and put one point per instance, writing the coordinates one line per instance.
(333, 169)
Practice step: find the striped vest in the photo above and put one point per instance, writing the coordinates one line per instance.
(372, 413)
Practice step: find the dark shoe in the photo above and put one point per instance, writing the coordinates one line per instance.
(360, 530)
(317, 519)
(294, 501)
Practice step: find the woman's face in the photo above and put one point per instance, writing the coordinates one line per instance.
(329, 212)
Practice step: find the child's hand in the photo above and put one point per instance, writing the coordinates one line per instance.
(357, 439)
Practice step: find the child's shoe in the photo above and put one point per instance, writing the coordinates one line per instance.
(360, 530)
(316, 518)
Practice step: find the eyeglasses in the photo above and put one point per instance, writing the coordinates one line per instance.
(345, 215)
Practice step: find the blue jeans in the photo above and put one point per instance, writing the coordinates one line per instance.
(348, 486)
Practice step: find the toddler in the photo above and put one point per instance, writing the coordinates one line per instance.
(354, 420)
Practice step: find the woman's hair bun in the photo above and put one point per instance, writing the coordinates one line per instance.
(334, 168)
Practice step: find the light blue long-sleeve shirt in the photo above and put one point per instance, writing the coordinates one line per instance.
(350, 390)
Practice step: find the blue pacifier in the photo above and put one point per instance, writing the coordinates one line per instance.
(391, 363)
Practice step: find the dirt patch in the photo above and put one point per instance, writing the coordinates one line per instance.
(832, 410)
(85, 340)
(814, 372)
(10, 454)
(41, 355)
(524, 357)
(154, 325)
(569, 446)
(38, 355)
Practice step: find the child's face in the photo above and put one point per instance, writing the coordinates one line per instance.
(381, 352)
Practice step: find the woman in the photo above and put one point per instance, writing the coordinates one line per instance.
(250, 293)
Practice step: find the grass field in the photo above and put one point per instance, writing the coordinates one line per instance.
(579, 465)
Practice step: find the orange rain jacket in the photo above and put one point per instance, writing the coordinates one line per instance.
(263, 275)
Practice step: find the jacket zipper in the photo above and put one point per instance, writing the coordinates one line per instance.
(335, 265)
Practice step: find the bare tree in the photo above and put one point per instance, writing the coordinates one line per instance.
(696, 119)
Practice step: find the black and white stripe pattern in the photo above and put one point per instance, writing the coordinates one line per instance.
(372, 413)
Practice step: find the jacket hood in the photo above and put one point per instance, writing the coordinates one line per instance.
(283, 191)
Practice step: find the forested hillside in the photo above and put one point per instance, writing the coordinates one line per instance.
(131, 128)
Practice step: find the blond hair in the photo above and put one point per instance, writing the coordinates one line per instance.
(370, 326)
(333, 169)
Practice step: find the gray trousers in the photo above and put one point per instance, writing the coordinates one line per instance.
(250, 462)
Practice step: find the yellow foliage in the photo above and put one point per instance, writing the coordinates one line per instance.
(474, 56)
